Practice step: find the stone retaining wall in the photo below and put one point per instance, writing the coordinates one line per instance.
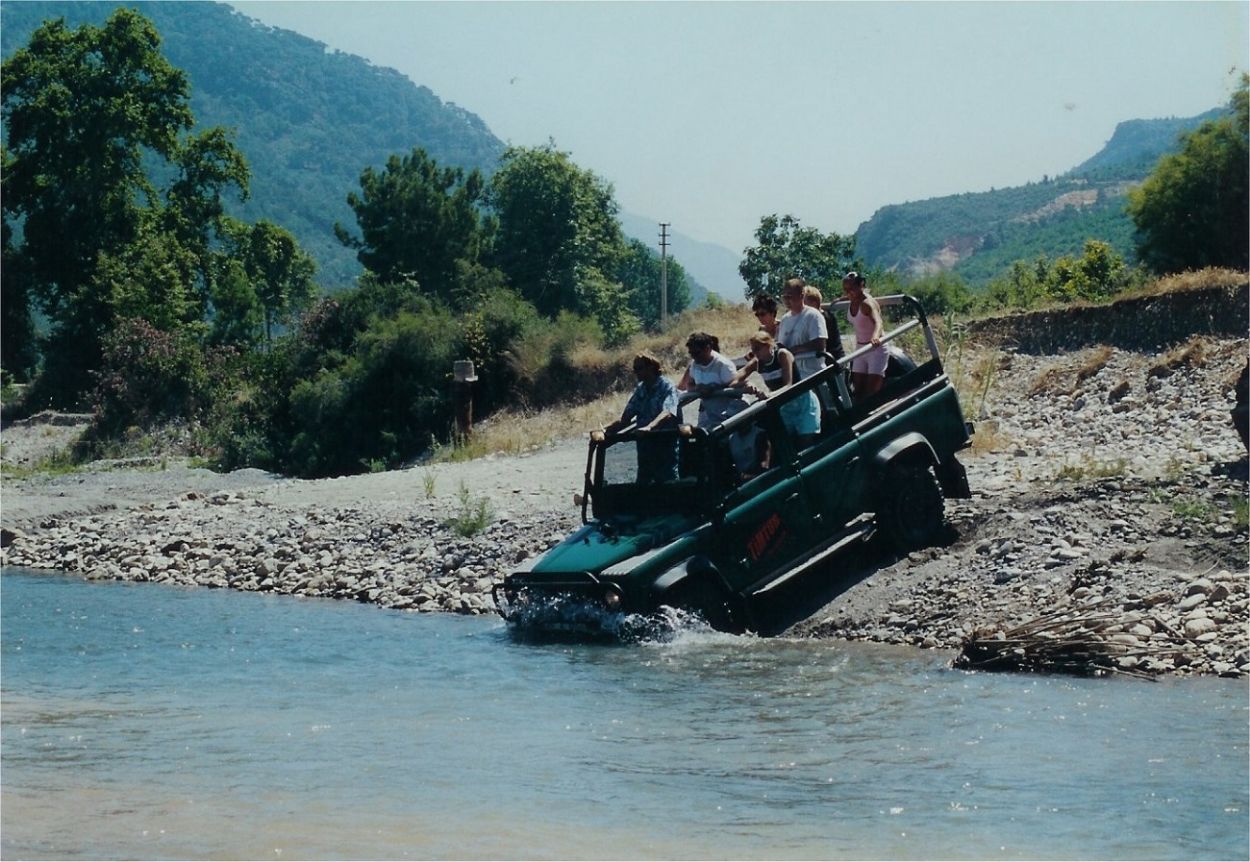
(1145, 324)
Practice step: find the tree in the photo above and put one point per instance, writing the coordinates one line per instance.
(238, 318)
(786, 249)
(84, 110)
(639, 272)
(1192, 211)
(417, 221)
(194, 213)
(17, 344)
(557, 228)
(280, 272)
(151, 278)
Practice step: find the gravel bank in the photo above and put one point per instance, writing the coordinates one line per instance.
(1102, 478)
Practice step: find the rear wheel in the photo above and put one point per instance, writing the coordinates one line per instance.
(912, 509)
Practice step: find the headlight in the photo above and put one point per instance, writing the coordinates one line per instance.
(612, 598)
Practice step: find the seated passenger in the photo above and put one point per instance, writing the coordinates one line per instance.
(652, 407)
(750, 450)
(775, 365)
(709, 372)
(765, 310)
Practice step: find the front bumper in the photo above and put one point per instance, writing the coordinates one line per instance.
(575, 603)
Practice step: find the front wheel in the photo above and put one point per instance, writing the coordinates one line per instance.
(705, 597)
(912, 510)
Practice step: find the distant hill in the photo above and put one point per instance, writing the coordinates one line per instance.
(714, 268)
(980, 234)
(307, 118)
(1137, 145)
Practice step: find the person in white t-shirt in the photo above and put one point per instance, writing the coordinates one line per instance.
(802, 330)
(709, 372)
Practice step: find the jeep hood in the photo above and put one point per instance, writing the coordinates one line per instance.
(597, 546)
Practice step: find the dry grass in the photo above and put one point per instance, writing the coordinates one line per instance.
(1065, 381)
(590, 369)
(1200, 280)
(1191, 354)
(973, 386)
(1097, 362)
(989, 437)
(732, 324)
(514, 432)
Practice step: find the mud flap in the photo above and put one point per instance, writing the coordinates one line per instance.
(953, 478)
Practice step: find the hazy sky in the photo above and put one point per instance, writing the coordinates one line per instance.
(711, 114)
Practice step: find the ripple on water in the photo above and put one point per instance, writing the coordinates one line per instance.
(331, 729)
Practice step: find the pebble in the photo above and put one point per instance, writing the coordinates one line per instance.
(1104, 538)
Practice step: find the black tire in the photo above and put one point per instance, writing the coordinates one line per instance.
(704, 596)
(913, 510)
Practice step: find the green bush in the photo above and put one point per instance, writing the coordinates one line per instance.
(490, 332)
(383, 403)
(150, 376)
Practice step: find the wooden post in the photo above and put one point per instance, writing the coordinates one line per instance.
(463, 378)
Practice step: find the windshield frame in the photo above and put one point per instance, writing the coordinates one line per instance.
(680, 495)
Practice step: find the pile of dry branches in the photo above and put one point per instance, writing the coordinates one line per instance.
(1086, 641)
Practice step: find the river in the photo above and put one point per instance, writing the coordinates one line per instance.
(143, 721)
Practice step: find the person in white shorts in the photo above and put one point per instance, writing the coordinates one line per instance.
(867, 371)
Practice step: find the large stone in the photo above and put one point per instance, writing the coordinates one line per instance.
(1190, 602)
(1199, 626)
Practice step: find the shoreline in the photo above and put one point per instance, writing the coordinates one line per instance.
(1101, 477)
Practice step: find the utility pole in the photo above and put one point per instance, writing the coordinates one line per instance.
(664, 274)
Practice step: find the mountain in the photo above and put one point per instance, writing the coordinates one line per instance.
(307, 118)
(1137, 145)
(978, 235)
(712, 267)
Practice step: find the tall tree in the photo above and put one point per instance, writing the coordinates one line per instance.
(280, 272)
(84, 109)
(1192, 211)
(640, 274)
(558, 230)
(194, 213)
(417, 221)
(786, 249)
(17, 344)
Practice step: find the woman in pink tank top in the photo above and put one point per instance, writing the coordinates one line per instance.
(867, 371)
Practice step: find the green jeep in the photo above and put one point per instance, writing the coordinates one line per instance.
(747, 509)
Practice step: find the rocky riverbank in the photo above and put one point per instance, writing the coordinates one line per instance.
(1104, 480)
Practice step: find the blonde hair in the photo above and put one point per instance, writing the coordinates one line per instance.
(763, 339)
(810, 293)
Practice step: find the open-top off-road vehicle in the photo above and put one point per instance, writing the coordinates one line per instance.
(749, 508)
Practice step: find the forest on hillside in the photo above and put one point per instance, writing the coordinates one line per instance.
(165, 309)
(978, 235)
(162, 306)
(309, 119)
